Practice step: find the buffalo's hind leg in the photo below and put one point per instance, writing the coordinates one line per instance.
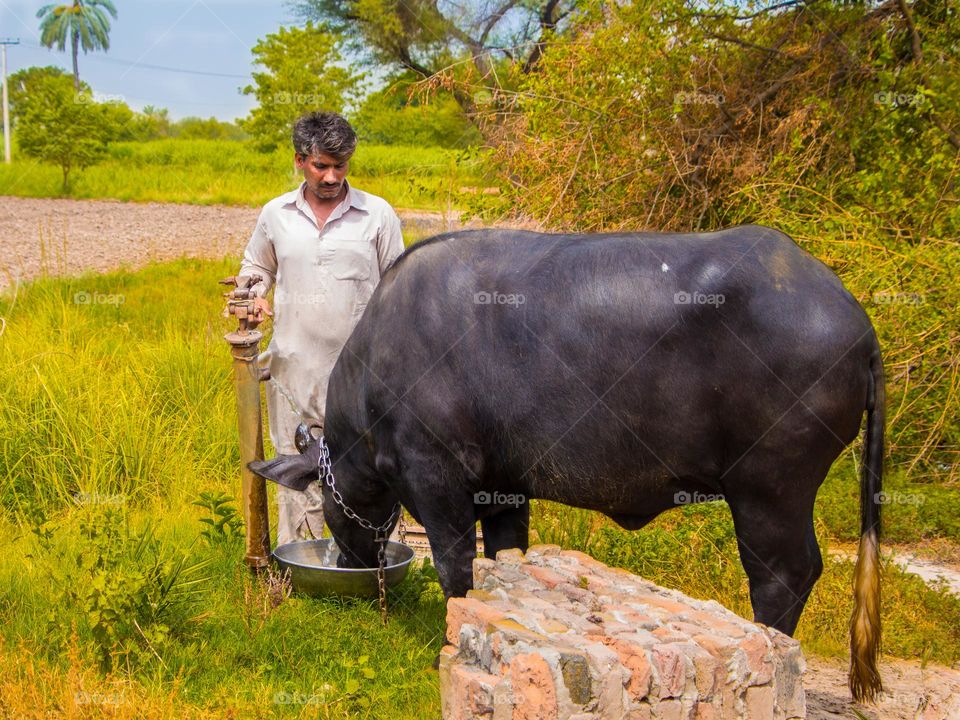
(506, 529)
(779, 552)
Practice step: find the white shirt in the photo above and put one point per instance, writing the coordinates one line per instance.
(323, 278)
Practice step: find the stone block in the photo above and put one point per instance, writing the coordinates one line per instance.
(556, 635)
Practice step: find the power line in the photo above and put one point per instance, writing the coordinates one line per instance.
(147, 66)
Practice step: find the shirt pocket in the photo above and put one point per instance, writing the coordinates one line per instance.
(348, 260)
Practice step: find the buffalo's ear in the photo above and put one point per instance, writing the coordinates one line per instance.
(292, 471)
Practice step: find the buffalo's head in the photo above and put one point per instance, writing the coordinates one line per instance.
(366, 498)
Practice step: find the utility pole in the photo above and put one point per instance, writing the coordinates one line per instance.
(6, 103)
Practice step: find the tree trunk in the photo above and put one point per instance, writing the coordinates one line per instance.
(75, 38)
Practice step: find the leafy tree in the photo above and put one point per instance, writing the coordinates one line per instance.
(303, 72)
(22, 82)
(66, 128)
(497, 37)
(194, 128)
(150, 124)
(397, 115)
(83, 22)
(836, 122)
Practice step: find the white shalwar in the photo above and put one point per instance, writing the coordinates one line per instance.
(323, 278)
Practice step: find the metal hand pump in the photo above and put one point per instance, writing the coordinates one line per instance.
(245, 349)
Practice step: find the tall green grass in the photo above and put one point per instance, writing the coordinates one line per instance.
(118, 399)
(207, 172)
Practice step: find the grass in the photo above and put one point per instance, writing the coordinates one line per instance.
(223, 172)
(230, 648)
(118, 413)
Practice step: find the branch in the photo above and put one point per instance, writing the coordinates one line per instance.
(914, 35)
(744, 43)
(725, 16)
(951, 135)
(547, 22)
(403, 54)
(495, 18)
(917, 52)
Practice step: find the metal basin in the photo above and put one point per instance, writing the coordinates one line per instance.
(313, 568)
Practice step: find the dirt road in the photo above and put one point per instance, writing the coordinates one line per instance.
(57, 237)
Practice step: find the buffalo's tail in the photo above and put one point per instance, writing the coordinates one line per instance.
(865, 683)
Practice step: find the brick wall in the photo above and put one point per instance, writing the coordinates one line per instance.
(558, 635)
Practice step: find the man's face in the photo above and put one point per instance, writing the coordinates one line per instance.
(323, 173)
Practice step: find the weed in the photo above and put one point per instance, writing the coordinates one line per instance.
(224, 523)
(128, 589)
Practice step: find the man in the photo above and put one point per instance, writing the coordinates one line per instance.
(325, 246)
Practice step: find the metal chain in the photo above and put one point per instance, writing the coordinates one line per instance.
(380, 533)
(294, 408)
(382, 578)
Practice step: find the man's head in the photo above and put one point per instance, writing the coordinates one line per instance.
(323, 143)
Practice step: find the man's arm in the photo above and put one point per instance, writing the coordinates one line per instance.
(260, 258)
(389, 240)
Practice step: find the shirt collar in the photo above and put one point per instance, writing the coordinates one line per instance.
(355, 198)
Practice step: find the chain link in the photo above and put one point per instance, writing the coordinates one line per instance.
(326, 476)
(380, 533)
(294, 408)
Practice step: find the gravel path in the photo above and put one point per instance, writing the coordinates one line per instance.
(69, 237)
(39, 236)
(911, 692)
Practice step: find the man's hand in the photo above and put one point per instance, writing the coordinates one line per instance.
(261, 310)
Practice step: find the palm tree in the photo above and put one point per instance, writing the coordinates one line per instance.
(83, 21)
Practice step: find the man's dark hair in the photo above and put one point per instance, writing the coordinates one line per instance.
(324, 132)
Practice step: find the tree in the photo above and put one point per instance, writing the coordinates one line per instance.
(837, 123)
(303, 73)
(84, 22)
(497, 38)
(57, 125)
(194, 128)
(23, 82)
(396, 115)
(151, 123)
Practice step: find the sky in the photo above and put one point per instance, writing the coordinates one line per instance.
(188, 37)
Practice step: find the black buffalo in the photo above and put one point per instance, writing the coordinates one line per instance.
(626, 373)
